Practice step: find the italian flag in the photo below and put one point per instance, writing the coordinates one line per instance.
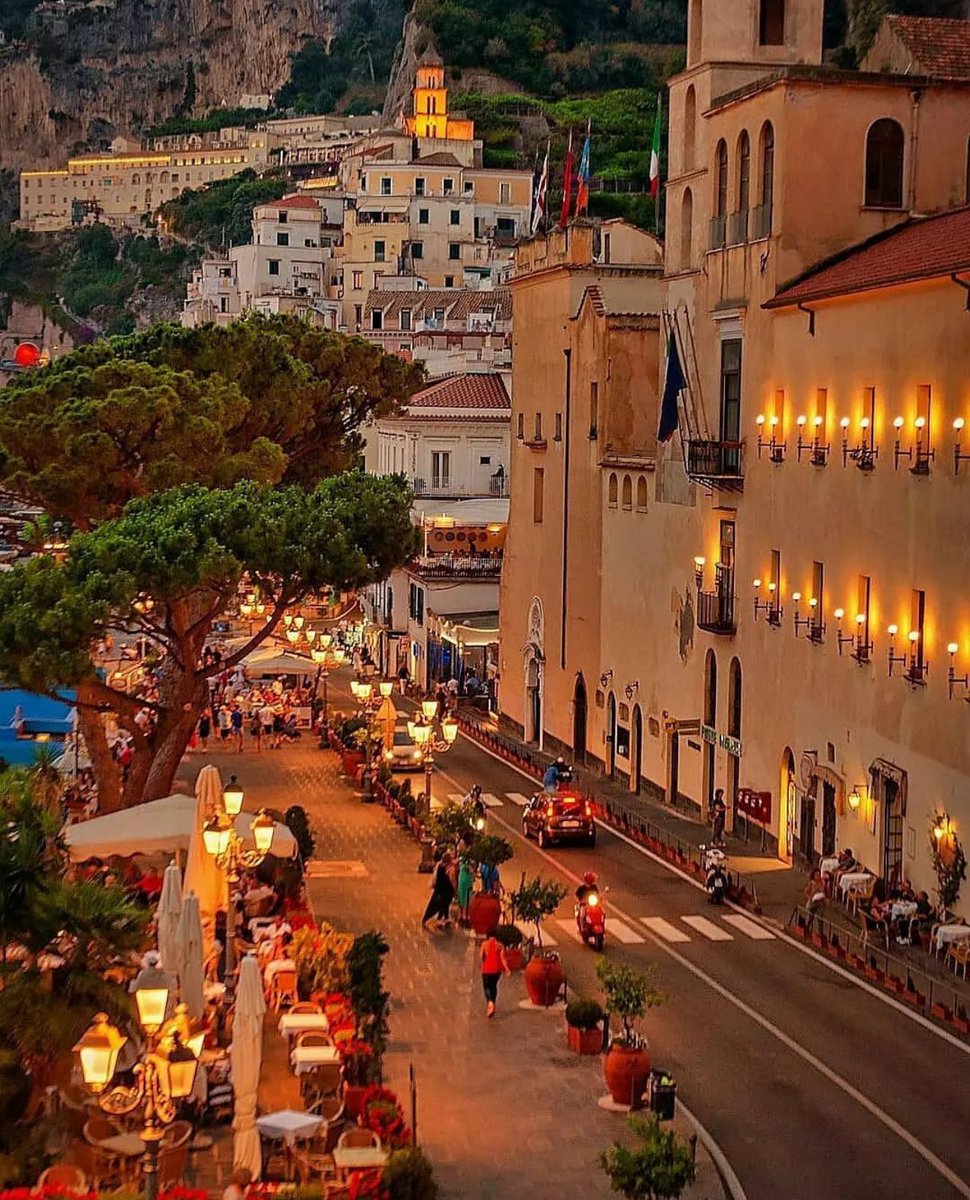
(655, 154)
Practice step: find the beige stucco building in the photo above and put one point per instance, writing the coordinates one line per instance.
(782, 607)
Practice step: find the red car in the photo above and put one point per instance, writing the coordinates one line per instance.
(560, 818)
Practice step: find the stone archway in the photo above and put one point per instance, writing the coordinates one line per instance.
(580, 717)
(533, 662)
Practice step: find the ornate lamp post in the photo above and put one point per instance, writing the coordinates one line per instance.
(425, 737)
(231, 854)
(327, 657)
(164, 1075)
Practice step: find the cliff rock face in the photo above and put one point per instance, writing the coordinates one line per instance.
(121, 66)
(412, 45)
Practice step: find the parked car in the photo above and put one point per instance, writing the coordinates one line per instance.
(559, 818)
(404, 755)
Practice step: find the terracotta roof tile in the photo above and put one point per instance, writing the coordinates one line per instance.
(294, 201)
(497, 300)
(441, 158)
(940, 45)
(921, 248)
(484, 391)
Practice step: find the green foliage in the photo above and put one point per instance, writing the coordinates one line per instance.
(949, 861)
(628, 994)
(535, 899)
(509, 936)
(584, 1014)
(298, 824)
(659, 1166)
(408, 1175)
(365, 963)
(490, 850)
(212, 122)
(221, 213)
(453, 821)
(360, 55)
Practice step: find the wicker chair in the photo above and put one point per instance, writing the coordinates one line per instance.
(172, 1165)
(314, 1037)
(63, 1177)
(306, 1006)
(357, 1136)
(179, 1133)
(283, 989)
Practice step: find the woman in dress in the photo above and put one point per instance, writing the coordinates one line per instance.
(442, 891)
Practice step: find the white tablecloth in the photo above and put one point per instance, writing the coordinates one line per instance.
(293, 1023)
(828, 865)
(289, 1124)
(855, 881)
(305, 1058)
(128, 1145)
(902, 908)
(951, 933)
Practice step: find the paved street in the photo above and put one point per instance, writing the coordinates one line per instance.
(804, 1078)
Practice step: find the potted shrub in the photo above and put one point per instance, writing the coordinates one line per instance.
(533, 901)
(659, 1165)
(510, 936)
(628, 996)
(485, 910)
(298, 824)
(369, 1001)
(452, 822)
(408, 1175)
(321, 959)
(353, 737)
(584, 1030)
(381, 1112)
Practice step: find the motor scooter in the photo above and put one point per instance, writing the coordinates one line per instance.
(591, 920)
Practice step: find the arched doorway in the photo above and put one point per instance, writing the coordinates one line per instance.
(580, 713)
(734, 729)
(636, 750)
(533, 701)
(611, 735)
(710, 719)
(786, 801)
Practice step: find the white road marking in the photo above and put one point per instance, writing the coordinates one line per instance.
(708, 929)
(570, 928)
(529, 931)
(490, 800)
(664, 929)
(749, 928)
(518, 798)
(623, 933)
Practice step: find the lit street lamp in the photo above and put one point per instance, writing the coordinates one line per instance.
(164, 1075)
(424, 736)
(328, 658)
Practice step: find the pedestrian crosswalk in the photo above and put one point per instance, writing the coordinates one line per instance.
(518, 798)
(529, 931)
(712, 931)
(616, 930)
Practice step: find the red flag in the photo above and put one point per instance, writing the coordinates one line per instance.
(567, 184)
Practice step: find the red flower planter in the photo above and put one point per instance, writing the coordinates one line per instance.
(627, 1072)
(353, 1100)
(543, 979)
(484, 913)
(584, 1041)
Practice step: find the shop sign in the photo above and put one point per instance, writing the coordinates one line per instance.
(724, 741)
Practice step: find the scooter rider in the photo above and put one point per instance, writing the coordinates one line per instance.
(474, 797)
(585, 888)
(557, 772)
(717, 884)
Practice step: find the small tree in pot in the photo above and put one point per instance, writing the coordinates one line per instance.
(658, 1167)
(584, 1026)
(533, 901)
(489, 852)
(628, 996)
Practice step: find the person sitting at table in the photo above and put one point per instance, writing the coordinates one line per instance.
(282, 963)
(917, 922)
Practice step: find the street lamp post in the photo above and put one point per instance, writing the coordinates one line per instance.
(164, 1075)
(228, 849)
(328, 658)
(424, 736)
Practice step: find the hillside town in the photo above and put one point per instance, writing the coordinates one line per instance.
(487, 665)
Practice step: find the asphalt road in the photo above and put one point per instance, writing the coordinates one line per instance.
(812, 1085)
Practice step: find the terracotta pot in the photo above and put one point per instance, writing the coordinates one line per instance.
(584, 1041)
(627, 1073)
(917, 999)
(353, 1100)
(962, 1024)
(514, 958)
(941, 1012)
(484, 913)
(351, 760)
(543, 979)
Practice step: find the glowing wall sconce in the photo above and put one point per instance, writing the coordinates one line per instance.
(800, 620)
(920, 454)
(770, 607)
(699, 564)
(916, 670)
(952, 678)
(856, 796)
(775, 448)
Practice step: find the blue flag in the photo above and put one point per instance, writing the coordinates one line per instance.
(674, 384)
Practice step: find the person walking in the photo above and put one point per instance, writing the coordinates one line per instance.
(494, 963)
(442, 891)
(466, 882)
(205, 729)
(236, 717)
(718, 813)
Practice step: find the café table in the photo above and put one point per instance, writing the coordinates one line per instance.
(950, 933)
(854, 881)
(828, 865)
(292, 1024)
(305, 1058)
(902, 908)
(358, 1158)
(126, 1145)
(287, 1125)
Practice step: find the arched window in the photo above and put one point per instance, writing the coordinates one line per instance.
(720, 178)
(767, 197)
(744, 171)
(627, 492)
(690, 127)
(686, 230)
(884, 164)
(136, 178)
(612, 492)
(641, 494)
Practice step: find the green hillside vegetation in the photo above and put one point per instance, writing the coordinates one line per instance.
(220, 214)
(212, 122)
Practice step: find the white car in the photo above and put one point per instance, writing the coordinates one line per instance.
(404, 755)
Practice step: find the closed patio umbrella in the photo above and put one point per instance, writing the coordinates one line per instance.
(190, 965)
(386, 720)
(208, 790)
(246, 1053)
(167, 917)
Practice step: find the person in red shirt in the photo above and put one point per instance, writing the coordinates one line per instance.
(493, 964)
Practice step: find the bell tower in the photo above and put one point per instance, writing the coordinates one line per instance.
(772, 32)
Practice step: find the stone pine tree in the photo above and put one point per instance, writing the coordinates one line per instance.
(173, 465)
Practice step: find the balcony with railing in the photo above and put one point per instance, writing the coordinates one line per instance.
(718, 464)
(498, 486)
(457, 566)
(715, 610)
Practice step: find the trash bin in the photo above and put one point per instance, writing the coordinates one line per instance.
(663, 1094)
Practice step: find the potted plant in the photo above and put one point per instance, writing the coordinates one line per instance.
(369, 1001)
(485, 910)
(298, 824)
(381, 1112)
(628, 996)
(321, 959)
(408, 1175)
(510, 936)
(533, 901)
(584, 1030)
(659, 1166)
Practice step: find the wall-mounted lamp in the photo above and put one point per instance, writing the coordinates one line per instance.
(856, 796)
(952, 678)
(816, 627)
(820, 453)
(920, 455)
(631, 689)
(770, 607)
(606, 677)
(699, 563)
(916, 670)
(845, 639)
(943, 827)
(799, 620)
(894, 658)
(958, 455)
(776, 449)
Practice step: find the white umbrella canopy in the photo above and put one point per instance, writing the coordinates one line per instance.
(208, 790)
(246, 1053)
(190, 965)
(167, 916)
